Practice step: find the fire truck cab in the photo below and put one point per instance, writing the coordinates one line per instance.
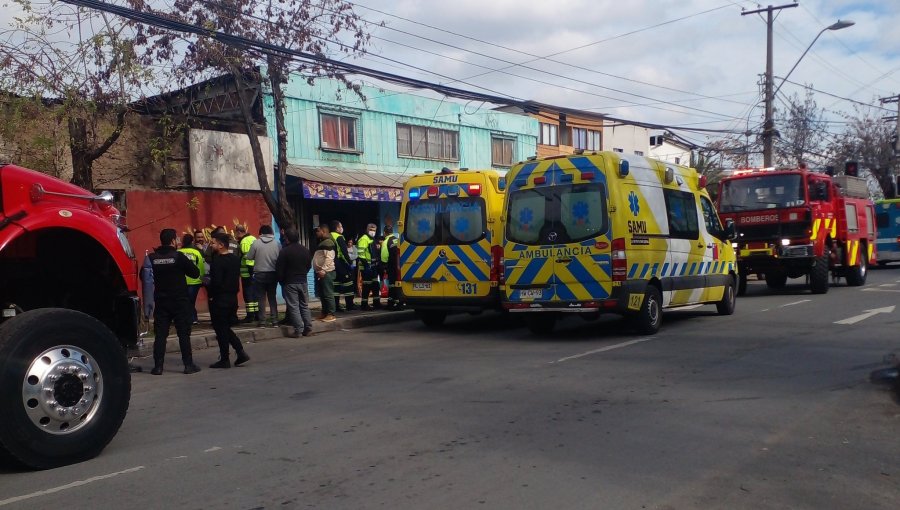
(794, 222)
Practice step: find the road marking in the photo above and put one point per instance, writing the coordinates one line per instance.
(67, 486)
(604, 349)
(888, 285)
(796, 303)
(880, 290)
(213, 449)
(865, 315)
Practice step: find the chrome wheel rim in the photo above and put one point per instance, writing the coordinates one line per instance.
(62, 389)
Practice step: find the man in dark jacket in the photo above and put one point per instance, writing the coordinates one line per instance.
(170, 270)
(224, 284)
(292, 268)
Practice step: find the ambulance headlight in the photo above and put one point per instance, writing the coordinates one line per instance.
(785, 242)
(734, 245)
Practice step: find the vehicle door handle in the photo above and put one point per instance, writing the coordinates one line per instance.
(452, 261)
(700, 245)
(564, 261)
(710, 246)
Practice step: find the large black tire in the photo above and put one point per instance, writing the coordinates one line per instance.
(66, 387)
(649, 318)
(818, 275)
(729, 299)
(856, 275)
(541, 323)
(432, 319)
(776, 280)
(742, 284)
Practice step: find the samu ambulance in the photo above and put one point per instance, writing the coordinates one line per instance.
(450, 243)
(887, 217)
(606, 232)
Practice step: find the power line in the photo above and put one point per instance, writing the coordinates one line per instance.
(842, 98)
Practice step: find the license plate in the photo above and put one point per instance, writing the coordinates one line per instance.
(531, 293)
(422, 286)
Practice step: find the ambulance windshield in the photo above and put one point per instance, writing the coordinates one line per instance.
(558, 214)
(445, 221)
(761, 192)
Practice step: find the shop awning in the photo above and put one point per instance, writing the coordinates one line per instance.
(331, 183)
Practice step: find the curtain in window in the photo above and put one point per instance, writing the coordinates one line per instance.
(330, 128)
(348, 133)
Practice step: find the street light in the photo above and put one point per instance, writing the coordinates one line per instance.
(769, 123)
(837, 26)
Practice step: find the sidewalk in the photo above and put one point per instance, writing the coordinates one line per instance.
(203, 336)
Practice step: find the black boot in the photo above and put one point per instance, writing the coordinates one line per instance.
(222, 363)
(241, 359)
(157, 367)
(191, 369)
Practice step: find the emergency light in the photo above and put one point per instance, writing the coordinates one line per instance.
(453, 190)
(474, 189)
(414, 193)
(587, 176)
(540, 180)
(433, 191)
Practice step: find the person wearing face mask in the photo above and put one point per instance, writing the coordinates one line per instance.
(367, 260)
(343, 282)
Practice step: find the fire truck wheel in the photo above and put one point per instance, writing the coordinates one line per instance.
(776, 280)
(66, 387)
(742, 284)
(432, 318)
(648, 320)
(726, 305)
(541, 323)
(818, 276)
(856, 276)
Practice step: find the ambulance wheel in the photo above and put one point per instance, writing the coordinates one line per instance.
(818, 276)
(541, 323)
(432, 318)
(66, 387)
(856, 276)
(776, 280)
(742, 284)
(729, 298)
(649, 318)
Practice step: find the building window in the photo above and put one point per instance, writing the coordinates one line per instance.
(339, 132)
(677, 161)
(616, 149)
(586, 139)
(427, 143)
(549, 134)
(502, 151)
(638, 153)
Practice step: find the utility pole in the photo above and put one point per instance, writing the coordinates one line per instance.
(893, 173)
(769, 123)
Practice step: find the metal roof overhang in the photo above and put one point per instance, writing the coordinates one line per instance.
(332, 183)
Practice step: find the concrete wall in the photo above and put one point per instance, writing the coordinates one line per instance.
(630, 139)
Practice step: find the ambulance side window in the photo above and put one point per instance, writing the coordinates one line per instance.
(681, 208)
(713, 226)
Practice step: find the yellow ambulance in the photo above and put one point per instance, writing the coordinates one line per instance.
(451, 250)
(608, 232)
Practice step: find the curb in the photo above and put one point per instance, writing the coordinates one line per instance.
(206, 338)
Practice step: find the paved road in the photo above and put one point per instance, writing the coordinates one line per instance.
(768, 408)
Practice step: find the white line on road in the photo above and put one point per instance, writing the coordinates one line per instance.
(213, 449)
(888, 285)
(604, 349)
(67, 486)
(796, 302)
(880, 290)
(865, 315)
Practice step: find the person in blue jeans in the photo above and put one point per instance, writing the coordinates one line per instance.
(291, 268)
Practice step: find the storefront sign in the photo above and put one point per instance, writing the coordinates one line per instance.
(312, 189)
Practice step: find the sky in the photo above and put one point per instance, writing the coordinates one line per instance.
(694, 63)
(686, 63)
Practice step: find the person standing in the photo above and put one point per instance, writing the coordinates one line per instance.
(251, 304)
(343, 280)
(368, 270)
(147, 285)
(291, 268)
(323, 263)
(264, 252)
(390, 251)
(224, 283)
(170, 271)
(193, 284)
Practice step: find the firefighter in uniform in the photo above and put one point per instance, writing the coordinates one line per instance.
(343, 282)
(367, 261)
(248, 288)
(170, 270)
(390, 250)
(193, 254)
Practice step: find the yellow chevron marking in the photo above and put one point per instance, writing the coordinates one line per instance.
(854, 248)
(815, 230)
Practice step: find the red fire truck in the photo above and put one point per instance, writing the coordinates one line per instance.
(794, 222)
(68, 283)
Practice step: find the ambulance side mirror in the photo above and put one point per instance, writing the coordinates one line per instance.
(730, 231)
